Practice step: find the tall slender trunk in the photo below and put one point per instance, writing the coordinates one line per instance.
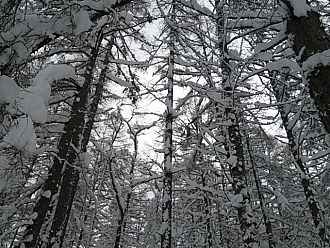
(93, 110)
(265, 217)
(71, 172)
(119, 231)
(234, 145)
(280, 95)
(166, 226)
(121, 223)
(63, 176)
(77, 146)
(209, 236)
(62, 163)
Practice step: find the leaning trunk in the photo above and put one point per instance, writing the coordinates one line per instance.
(71, 172)
(280, 93)
(66, 157)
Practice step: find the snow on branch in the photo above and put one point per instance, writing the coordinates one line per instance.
(22, 136)
(8, 91)
(119, 81)
(32, 102)
(262, 47)
(195, 6)
(316, 60)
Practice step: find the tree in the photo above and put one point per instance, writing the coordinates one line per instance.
(63, 176)
(310, 42)
(229, 151)
(167, 192)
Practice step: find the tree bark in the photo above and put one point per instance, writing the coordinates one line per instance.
(62, 172)
(265, 216)
(209, 235)
(234, 145)
(79, 141)
(166, 225)
(308, 38)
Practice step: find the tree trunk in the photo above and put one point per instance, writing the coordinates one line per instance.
(123, 210)
(71, 172)
(309, 37)
(209, 237)
(234, 145)
(265, 217)
(57, 179)
(166, 225)
(305, 180)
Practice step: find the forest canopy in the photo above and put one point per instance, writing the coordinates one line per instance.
(164, 123)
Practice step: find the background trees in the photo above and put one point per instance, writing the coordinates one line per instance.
(163, 124)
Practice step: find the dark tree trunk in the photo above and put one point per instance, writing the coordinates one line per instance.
(121, 208)
(92, 113)
(233, 144)
(265, 217)
(57, 179)
(79, 141)
(209, 236)
(309, 37)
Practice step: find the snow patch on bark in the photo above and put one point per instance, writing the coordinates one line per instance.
(315, 60)
(300, 7)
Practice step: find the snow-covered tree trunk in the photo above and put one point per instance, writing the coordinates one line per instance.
(166, 225)
(63, 175)
(263, 206)
(78, 146)
(234, 145)
(124, 199)
(311, 44)
(280, 95)
(207, 211)
(121, 207)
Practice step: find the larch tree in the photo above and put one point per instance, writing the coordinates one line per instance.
(59, 188)
(165, 231)
(244, 124)
(310, 43)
